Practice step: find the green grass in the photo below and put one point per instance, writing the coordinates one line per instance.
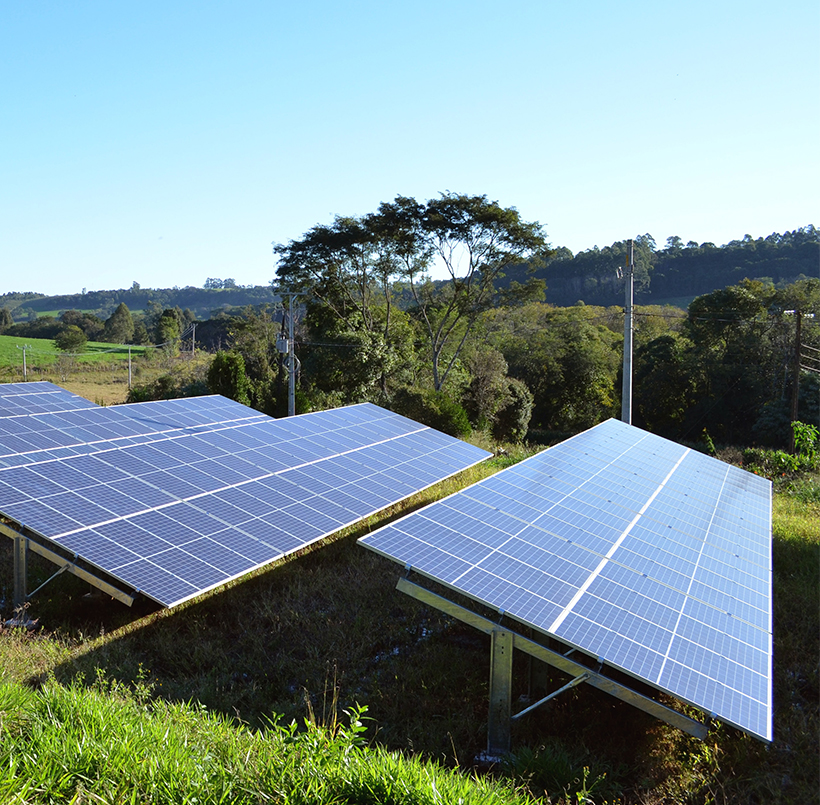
(44, 353)
(325, 631)
(106, 745)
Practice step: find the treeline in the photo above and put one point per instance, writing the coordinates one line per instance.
(679, 270)
(483, 353)
(217, 296)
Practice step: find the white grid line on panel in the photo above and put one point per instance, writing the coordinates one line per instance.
(585, 586)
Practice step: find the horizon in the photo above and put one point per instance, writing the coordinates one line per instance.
(85, 290)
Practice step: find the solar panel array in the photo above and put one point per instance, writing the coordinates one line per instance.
(174, 498)
(636, 550)
(19, 399)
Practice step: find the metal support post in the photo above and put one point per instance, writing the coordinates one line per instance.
(20, 570)
(796, 377)
(562, 662)
(501, 657)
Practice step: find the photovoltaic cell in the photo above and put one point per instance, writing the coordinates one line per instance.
(21, 399)
(176, 497)
(629, 547)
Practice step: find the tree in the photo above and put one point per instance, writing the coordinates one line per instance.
(352, 266)
(168, 331)
(90, 324)
(344, 273)
(566, 358)
(475, 240)
(71, 339)
(6, 319)
(119, 326)
(488, 391)
(512, 420)
(226, 376)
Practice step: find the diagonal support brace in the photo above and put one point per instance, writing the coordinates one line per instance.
(561, 662)
(571, 684)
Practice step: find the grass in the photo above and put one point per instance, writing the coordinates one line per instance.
(100, 374)
(106, 745)
(43, 353)
(324, 632)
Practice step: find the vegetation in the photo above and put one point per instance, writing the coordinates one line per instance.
(680, 271)
(105, 744)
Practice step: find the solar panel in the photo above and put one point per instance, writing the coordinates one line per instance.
(636, 550)
(18, 399)
(176, 497)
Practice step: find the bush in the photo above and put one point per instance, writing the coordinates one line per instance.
(227, 377)
(72, 339)
(434, 409)
(182, 383)
(513, 420)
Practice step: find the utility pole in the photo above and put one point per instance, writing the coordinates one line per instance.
(287, 346)
(25, 368)
(291, 363)
(129, 367)
(193, 338)
(626, 388)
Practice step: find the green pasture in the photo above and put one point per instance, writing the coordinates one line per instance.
(42, 352)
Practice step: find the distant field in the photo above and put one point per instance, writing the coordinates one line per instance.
(42, 352)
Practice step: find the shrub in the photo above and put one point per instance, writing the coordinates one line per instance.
(433, 408)
(513, 419)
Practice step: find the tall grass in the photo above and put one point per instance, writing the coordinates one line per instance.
(106, 745)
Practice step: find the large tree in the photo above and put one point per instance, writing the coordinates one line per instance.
(475, 240)
(351, 267)
(119, 326)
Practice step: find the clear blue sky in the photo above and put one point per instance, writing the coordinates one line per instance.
(168, 142)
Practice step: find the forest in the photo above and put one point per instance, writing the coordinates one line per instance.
(522, 341)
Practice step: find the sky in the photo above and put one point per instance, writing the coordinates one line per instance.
(167, 142)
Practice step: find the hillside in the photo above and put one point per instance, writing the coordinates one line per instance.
(202, 302)
(677, 273)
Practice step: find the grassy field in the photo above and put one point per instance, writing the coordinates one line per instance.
(325, 631)
(41, 352)
(100, 374)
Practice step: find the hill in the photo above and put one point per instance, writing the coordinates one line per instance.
(202, 302)
(677, 273)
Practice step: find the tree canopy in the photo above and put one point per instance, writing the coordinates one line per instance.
(352, 267)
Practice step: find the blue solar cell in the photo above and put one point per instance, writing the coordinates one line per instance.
(127, 534)
(631, 548)
(39, 517)
(243, 499)
(79, 508)
(34, 483)
(171, 484)
(228, 562)
(98, 549)
(199, 574)
(144, 575)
